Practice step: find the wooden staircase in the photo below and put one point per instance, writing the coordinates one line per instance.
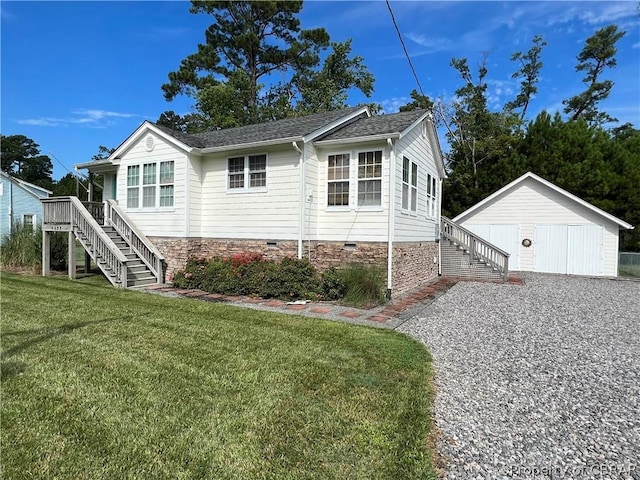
(125, 256)
(464, 254)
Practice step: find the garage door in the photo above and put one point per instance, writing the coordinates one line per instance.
(572, 249)
(505, 237)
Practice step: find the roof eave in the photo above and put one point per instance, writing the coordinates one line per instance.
(245, 146)
(336, 123)
(363, 139)
(435, 143)
(621, 223)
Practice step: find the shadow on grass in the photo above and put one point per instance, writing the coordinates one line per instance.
(10, 368)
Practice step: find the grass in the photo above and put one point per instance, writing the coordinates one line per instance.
(365, 284)
(102, 383)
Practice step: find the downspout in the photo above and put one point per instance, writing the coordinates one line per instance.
(301, 198)
(391, 221)
(439, 228)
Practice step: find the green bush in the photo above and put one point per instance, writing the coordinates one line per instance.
(333, 287)
(287, 279)
(250, 274)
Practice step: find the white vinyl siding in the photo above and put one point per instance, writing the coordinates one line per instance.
(532, 204)
(167, 216)
(423, 226)
(260, 214)
(352, 223)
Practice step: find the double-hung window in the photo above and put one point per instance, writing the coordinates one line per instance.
(149, 185)
(133, 186)
(338, 180)
(431, 196)
(409, 185)
(166, 184)
(155, 188)
(248, 172)
(370, 178)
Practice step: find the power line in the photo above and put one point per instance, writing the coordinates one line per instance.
(75, 174)
(395, 24)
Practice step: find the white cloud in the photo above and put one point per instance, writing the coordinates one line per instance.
(392, 105)
(636, 45)
(94, 118)
(42, 122)
(432, 44)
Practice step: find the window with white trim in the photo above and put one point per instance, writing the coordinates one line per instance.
(155, 189)
(133, 189)
(29, 220)
(166, 183)
(370, 178)
(338, 180)
(431, 196)
(409, 185)
(248, 172)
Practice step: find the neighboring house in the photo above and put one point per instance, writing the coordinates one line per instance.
(547, 229)
(335, 187)
(19, 203)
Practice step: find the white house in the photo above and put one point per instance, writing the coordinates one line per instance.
(335, 187)
(546, 229)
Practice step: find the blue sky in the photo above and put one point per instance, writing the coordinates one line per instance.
(76, 75)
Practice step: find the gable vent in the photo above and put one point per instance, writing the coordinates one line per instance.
(149, 143)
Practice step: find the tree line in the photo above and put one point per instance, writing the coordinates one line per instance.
(257, 64)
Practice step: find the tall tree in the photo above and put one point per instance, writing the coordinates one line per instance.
(417, 102)
(598, 54)
(530, 67)
(258, 64)
(20, 156)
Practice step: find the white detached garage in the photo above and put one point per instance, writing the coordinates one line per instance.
(547, 229)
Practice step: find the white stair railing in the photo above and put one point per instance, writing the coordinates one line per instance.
(476, 246)
(135, 239)
(69, 214)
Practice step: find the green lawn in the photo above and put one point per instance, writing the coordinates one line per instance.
(103, 383)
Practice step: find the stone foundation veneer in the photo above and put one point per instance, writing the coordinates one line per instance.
(413, 262)
(413, 266)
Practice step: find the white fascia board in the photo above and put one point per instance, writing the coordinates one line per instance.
(94, 163)
(553, 187)
(336, 124)
(31, 185)
(246, 146)
(435, 146)
(414, 124)
(367, 138)
(144, 127)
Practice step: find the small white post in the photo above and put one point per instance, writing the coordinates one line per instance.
(72, 256)
(46, 253)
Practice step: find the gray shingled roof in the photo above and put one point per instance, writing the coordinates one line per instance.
(262, 132)
(376, 125)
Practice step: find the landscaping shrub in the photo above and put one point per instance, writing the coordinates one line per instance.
(333, 287)
(287, 279)
(250, 274)
(365, 284)
(22, 248)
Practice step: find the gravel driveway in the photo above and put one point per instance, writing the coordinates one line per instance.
(536, 381)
